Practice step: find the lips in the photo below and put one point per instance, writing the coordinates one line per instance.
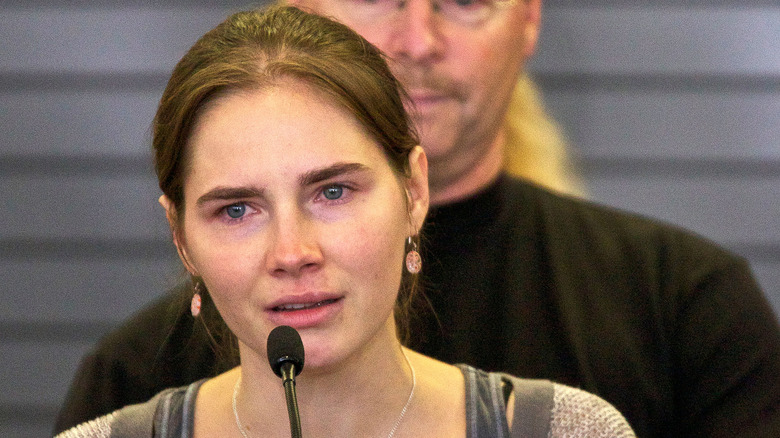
(426, 101)
(426, 96)
(304, 311)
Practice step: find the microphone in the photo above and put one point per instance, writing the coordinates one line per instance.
(285, 355)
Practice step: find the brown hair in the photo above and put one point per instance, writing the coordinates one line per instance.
(256, 49)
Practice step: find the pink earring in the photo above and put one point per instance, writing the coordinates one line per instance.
(413, 259)
(195, 303)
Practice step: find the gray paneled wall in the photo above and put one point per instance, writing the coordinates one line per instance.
(673, 108)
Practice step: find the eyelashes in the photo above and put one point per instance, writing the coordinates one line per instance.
(337, 193)
(329, 194)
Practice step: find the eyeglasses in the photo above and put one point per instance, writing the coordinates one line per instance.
(465, 12)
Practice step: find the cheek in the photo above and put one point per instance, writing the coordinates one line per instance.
(377, 268)
(488, 89)
(224, 267)
(230, 273)
(371, 247)
(500, 47)
(386, 249)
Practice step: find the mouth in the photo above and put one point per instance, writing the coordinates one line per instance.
(292, 307)
(426, 95)
(425, 102)
(305, 311)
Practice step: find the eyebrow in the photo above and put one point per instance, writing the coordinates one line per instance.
(319, 175)
(308, 178)
(223, 193)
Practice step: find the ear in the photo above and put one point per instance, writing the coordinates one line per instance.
(417, 188)
(532, 22)
(178, 238)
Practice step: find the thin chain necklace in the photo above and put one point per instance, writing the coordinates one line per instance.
(392, 431)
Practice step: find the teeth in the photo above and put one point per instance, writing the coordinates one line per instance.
(290, 307)
(293, 306)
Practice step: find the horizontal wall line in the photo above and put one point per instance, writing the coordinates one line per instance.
(667, 82)
(90, 249)
(83, 81)
(756, 251)
(27, 414)
(76, 166)
(53, 331)
(680, 168)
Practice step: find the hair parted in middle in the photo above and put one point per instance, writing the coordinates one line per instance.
(253, 50)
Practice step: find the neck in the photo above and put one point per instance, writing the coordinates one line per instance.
(347, 401)
(450, 183)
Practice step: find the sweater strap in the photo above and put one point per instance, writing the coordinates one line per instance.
(533, 407)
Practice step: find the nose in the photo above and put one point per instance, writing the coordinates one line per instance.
(417, 34)
(294, 249)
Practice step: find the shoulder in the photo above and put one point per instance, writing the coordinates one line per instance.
(98, 428)
(156, 348)
(136, 342)
(579, 413)
(166, 411)
(559, 213)
(580, 233)
(155, 319)
(647, 271)
(159, 347)
(542, 407)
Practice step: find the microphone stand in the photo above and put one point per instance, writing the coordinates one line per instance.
(285, 355)
(288, 381)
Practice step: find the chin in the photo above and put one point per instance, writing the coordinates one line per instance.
(320, 363)
(320, 353)
(439, 144)
(438, 151)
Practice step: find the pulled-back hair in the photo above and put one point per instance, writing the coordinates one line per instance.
(256, 49)
(253, 50)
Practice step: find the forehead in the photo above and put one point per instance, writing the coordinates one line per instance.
(289, 126)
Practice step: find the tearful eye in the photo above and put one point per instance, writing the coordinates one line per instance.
(235, 211)
(333, 192)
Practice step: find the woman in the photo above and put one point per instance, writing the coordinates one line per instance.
(295, 189)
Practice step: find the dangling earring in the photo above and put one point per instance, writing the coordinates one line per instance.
(413, 259)
(195, 303)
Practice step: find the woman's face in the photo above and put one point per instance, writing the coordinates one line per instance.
(293, 216)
